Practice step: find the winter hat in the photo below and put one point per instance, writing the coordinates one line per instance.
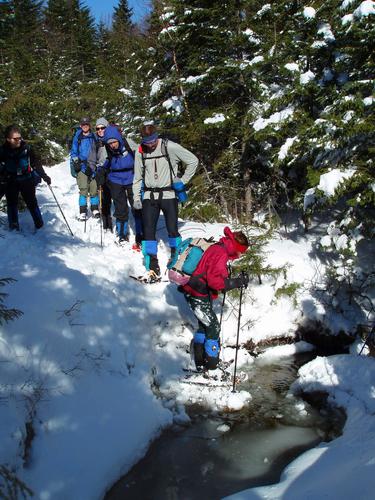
(85, 121)
(234, 237)
(101, 121)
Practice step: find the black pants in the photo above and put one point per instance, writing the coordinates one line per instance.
(27, 189)
(106, 200)
(120, 196)
(150, 216)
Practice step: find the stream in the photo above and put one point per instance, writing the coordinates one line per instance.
(221, 454)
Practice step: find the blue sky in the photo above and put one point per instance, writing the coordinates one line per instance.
(102, 9)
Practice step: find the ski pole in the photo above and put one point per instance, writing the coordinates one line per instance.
(101, 218)
(62, 213)
(238, 335)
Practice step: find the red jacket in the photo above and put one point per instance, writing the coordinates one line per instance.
(211, 272)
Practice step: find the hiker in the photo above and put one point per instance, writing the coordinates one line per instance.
(117, 173)
(21, 171)
(96, 159)
(210, 277)
(83, 140)
(158, 187)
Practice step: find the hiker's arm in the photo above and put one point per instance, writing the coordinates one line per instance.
(138, 174)
(74, 150)
(36, 164)
(188, 160)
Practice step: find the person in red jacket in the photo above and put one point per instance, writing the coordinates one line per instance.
(210, 277)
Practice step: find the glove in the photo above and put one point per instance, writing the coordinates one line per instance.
(88, 172)
(240, 281)
(47, 179)
(179, 187)
(76, 165)
(137, 205)
(100, 177)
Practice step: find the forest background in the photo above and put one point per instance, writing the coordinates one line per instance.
(271, 98)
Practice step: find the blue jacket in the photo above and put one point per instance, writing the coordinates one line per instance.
(81, 147)
(120, 163)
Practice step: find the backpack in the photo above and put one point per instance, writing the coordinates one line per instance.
(189, 254)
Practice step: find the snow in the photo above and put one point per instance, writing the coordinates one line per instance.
(367, 101)
(325, 30)
(309, 12)
(155, 87)
(82, 360)
(283, 153)
(347, 3)
(365, 9)
(266, 7)
(276, 118)
(306, 77)
(292, 66)
(173, 104)
(253, 37)
(256, 60)
(126, 91)
(194, 79)
(328, 183)
(217, 118)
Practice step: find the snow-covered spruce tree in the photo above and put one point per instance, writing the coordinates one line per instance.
(334, 143)
(22, 53)
(201, 92)
(71, 35)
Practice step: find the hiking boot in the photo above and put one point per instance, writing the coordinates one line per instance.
(173, 258)
(96, 214)
(153, 277)
(82, 216)
(154, 265)
(197, 350)
(212, 351)
(82, 212)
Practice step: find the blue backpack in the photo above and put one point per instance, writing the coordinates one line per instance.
(189, 254)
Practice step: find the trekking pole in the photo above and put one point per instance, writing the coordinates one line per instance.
(101, 218)
(62, 213)
(368, 337)
(238, 336)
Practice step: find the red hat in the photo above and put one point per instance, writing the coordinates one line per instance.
(238, 247)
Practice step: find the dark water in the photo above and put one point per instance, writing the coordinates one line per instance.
(223, 454)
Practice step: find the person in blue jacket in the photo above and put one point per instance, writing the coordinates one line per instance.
(80, 168)
(117, 173)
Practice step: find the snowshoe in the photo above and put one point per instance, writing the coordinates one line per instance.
(147, 278)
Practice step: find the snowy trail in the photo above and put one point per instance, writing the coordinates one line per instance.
(89, 345)
(82, 362)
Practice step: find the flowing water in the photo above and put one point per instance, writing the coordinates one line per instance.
(223, 454)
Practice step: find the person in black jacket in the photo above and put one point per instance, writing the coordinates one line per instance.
(20, 168)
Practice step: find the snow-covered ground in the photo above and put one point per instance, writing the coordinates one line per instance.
(83, 361)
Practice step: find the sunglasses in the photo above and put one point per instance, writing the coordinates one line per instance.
(100, 128)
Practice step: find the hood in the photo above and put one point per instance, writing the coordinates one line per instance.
(233, 247)
(112, 132)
